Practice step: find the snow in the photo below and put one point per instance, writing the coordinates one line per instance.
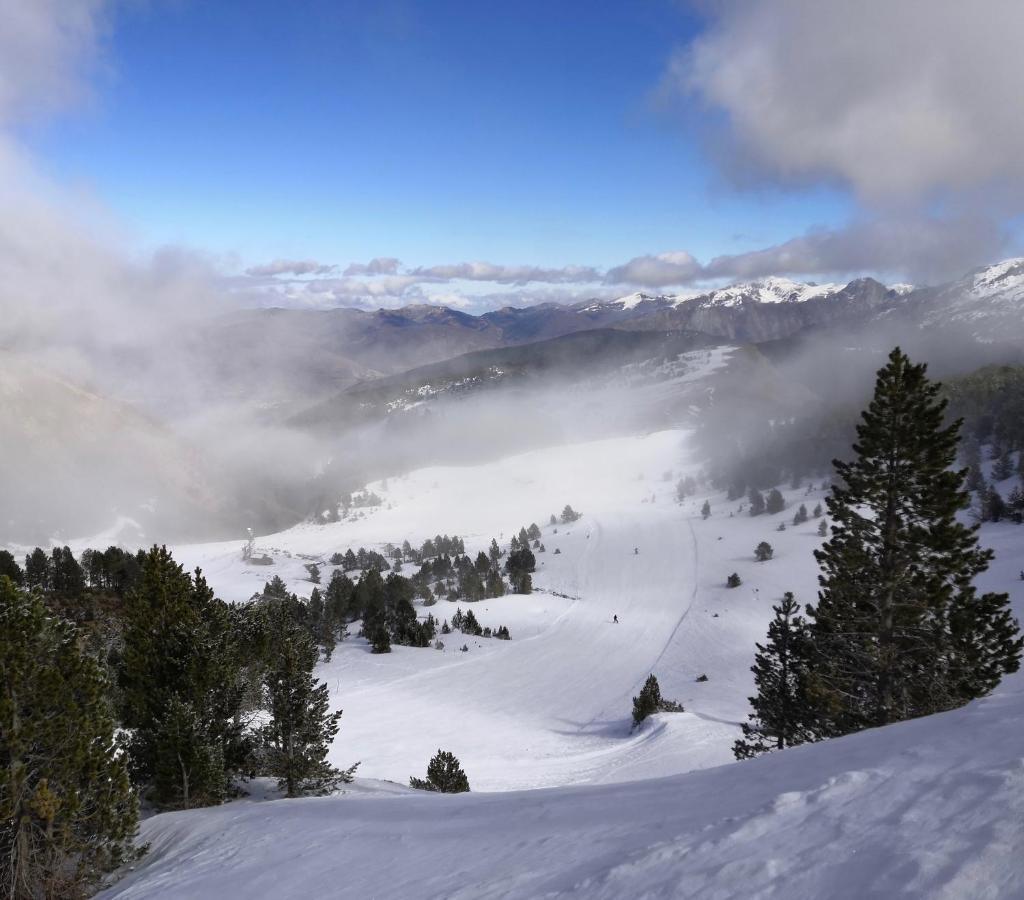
(567, 801)
(769, 290)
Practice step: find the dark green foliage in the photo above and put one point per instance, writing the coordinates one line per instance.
(314, 573)
(519, 566)
(733, 580)
(817, 511)
(67, 810)
(9, 568)
(899, 628)
(763, 552)
(180, 645)
(301, 728)
(991, 403)
(569, 515)
(650, 701)
(37, 570)
(775, 502)
(444, 775)
(993, 507)
(800, 516)
(379, 638)
(823, 528)
(782, 713)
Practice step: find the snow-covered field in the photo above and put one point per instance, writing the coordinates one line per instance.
(914, 810)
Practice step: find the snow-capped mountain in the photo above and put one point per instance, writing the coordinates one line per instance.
(988, 301)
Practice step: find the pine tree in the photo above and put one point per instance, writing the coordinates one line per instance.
(705, 510)
(444, 775)
(775, 503)
(67, 810)
(37, 570)
(650, 701)
(782, 714)
(757, 503)
(763, 552)
(817, 511)
(179, 644)
(801, 515)
(733, 580)
(298, 737)
(1003, 467)
(993, 507)
(9, 567)
(823, 528)
(899, 628)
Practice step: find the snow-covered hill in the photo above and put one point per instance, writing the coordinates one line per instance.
(928, 808)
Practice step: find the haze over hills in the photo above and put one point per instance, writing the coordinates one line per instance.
(310, 386)
(271, 360)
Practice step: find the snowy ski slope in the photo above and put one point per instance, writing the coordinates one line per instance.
(550, 709)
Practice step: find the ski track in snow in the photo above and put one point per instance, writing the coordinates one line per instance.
(567, 801)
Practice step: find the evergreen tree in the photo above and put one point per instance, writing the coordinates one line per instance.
(763, 552)
(801, 515)
(757, 504)
(37, 570)
(179, 645)
(301, 728)
(650, 701)
(782, 714)
(10, 568)
(817, 511)
(67, 810)
(705, 510)
(1003, 467)
(899, 628)
(775, 503)
(733, 580)
(993, 507)
(823, 528)
(444, 775)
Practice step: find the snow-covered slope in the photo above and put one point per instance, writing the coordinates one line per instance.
(928, 808)
(989, 302)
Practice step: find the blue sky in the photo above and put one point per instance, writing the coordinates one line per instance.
(433, 132)
(580, 148)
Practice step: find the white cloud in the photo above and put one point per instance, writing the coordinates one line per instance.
(380, 265)
(45, 47)
(901, 101)
(291, 267)
(501, 274)
(673, 267)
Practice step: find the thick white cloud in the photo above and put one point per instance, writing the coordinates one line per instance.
(917, 248)
(674, 267)
(901, 100)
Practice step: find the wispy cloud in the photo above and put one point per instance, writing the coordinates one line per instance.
(380, 265)
(504, 274)
(291, 267)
